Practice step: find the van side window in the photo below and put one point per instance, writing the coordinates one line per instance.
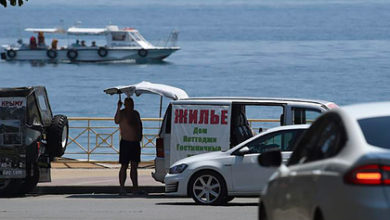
(304, 115)
(240, 129)
(167, 121)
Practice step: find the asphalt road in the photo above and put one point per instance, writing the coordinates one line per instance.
(110, 206)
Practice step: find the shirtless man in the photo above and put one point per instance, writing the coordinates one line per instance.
(130, 126)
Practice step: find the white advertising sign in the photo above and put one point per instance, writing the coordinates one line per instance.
(199, 129)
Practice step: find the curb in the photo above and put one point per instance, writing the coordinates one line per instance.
(54, 190)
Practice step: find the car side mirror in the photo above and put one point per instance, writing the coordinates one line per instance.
(242, 151)
(271, 158)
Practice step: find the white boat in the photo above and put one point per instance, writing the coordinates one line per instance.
(121, 44)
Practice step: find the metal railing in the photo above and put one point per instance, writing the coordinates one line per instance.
(97, 139)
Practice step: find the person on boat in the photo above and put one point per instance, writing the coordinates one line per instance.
(77, 44)
(83, 43)
(93, 44)
(33, 43)
(130, 126)
(54, 44)
(41, 39)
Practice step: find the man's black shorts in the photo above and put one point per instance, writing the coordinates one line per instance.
(129, 151)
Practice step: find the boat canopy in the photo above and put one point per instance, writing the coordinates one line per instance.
(98, 31)
(86, 31)
(149, 88)
(46, 30)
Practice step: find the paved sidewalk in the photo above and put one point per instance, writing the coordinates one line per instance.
(83, 177)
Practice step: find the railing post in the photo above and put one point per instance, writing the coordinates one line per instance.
(89, 138)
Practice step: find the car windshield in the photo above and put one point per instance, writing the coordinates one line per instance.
(12, 115)
(376, 131)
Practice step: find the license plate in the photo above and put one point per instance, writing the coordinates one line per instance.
(13, 173)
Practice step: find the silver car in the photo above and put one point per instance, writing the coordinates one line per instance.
(340, 169)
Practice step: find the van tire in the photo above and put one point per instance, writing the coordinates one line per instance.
(57, 137)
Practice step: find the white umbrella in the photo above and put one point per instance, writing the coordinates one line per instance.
(149, 88)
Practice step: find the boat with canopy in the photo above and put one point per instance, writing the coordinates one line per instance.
(121, 44)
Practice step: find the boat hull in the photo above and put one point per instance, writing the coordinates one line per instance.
(89, 54)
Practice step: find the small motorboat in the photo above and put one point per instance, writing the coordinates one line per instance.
(121, 44)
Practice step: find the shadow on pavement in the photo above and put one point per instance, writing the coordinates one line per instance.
(193, 203)
(116, 196)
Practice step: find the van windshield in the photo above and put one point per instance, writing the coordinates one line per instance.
(376, 131)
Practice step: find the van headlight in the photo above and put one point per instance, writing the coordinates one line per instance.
(178, 168)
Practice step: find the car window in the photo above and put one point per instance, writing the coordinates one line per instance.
(324, 140)
(33, 113)
(376, 131)
(330, 142)
(305, 143)
(305, 115)
(283, 140)
(43, 105)
(10, 132)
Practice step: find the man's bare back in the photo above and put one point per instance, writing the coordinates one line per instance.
(129, 132)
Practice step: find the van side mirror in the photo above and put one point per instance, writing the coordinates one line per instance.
(242, 151)
(271, 158)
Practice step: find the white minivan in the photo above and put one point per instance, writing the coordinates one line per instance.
(199, 125)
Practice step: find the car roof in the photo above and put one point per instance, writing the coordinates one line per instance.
(367, 110)
(17, 91)
(252, 99)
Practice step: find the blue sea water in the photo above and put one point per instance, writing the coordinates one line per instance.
(330, 50)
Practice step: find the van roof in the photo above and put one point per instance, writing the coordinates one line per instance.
(222, 100)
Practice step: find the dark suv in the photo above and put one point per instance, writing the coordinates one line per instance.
(30, 138)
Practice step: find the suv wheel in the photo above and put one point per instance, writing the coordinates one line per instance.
(208, 188)
(57, 137)
(9, 187)
(31, 182)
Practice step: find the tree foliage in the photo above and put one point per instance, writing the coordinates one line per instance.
(11, 2)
